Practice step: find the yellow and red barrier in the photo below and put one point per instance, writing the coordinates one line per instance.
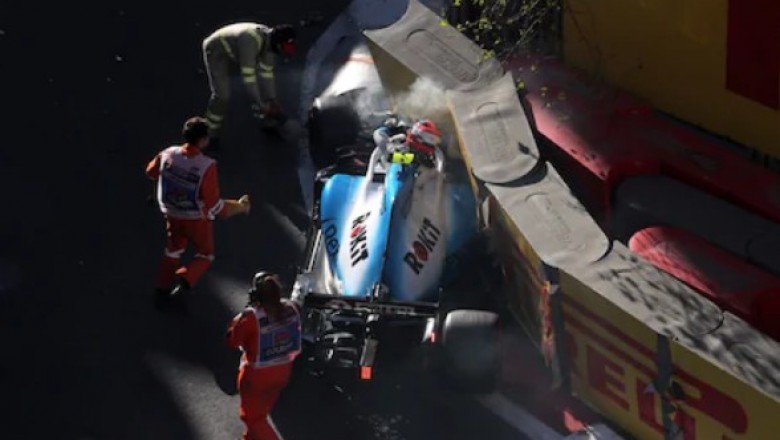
(715, 63)
(645, 350)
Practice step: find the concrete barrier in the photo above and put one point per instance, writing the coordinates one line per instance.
(648, 352)
(421, 45)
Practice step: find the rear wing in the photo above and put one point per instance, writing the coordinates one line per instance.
(412, 309)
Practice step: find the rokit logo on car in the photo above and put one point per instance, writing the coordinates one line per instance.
(358, 249)
(427, 238)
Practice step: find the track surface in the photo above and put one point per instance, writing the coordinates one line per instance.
(92, 93)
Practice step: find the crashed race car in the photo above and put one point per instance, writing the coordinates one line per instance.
(397, 264)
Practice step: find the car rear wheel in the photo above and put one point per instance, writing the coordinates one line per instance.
(471, 349)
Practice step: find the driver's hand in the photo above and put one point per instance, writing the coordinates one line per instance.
(398, 138)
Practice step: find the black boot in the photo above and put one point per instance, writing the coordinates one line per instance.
(178, 295)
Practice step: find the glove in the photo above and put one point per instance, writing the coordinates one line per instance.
(398, 138)
(391, 122)
(240, 206)
(273, 108)
(245, 203)
(258, 112)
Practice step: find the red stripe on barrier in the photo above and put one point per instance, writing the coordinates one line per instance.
(607, 326)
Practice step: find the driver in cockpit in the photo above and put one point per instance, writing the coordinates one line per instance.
(424, 139)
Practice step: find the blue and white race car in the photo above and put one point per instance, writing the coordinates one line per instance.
(396, 249)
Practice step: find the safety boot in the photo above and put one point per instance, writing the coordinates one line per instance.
(178, 296)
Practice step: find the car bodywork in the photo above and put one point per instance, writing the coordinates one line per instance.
(387, 242)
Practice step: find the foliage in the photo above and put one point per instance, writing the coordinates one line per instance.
(508, 27)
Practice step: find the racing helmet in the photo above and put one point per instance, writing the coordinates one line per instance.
(283, 38)
(264, 285)
(424, 136)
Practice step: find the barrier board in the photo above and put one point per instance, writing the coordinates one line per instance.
(649, 353)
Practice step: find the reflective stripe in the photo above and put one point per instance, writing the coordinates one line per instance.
(257, 38)
(264, 66)
(247, 70)
(205, 257)
(214, 117)
(215, 209)
(285, 336)
(267, 75)
(178, 187)
(227, 48)
(174, 254)
(250, 79)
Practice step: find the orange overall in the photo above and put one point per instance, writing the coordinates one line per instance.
(188, 195)
(260, 382)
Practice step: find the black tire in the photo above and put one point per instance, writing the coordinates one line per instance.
(333, 123)
(471, 349)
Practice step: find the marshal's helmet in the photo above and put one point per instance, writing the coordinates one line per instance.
(283, 39)
(266, 288)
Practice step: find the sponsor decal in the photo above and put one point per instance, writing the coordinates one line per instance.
(428, 237)
(330, 234)
(358, 247)
(180, 175)
(281, 337)
(613, 368)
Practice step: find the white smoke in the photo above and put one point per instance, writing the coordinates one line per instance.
(372, 103)
(424, 99)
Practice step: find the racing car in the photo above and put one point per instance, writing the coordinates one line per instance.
(397, 262)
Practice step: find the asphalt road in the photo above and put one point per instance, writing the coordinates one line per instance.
(92, 92)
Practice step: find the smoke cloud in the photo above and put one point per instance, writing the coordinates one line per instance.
(425, 99)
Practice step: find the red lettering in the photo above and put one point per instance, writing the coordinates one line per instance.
(719, 406)
(602, 374)
(649, 401)
(647, 404)
(608, 378)
(413, 263)
(687, 423)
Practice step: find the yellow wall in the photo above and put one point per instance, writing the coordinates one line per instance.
(527, 281)
(719, 404)
(672, 53)
(613, 364)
